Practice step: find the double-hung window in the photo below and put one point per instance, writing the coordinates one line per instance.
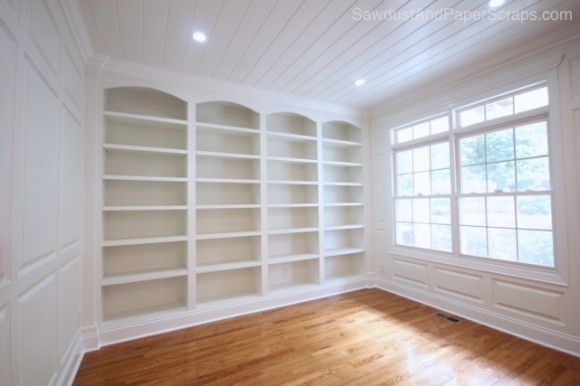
(476, 182)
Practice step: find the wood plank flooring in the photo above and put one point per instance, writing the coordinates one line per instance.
(366, 337)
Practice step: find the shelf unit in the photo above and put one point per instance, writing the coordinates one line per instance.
(343, 219)
(228, 203)
(293, 202)
(144, 218)
(223, 208)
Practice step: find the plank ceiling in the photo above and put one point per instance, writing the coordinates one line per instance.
(316, 48)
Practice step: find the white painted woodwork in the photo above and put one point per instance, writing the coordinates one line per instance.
(532, 301)
(257, 219)
(41, 191)
(5, 348)
(223, 178)
(38, 350)
(535, 306)
(461, 284)
(41, 114)
(409, 271)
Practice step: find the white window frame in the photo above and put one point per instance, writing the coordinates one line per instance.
(553, 275)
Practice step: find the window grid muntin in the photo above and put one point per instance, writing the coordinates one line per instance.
(429, 122)
(414, 198)
(493, 100)
(513, 193)
(516, 160)
(527, 117)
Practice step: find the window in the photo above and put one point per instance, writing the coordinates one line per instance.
(479, 185)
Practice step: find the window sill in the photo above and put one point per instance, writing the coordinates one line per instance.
(498, 267)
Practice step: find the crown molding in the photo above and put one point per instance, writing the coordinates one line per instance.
(121, 67)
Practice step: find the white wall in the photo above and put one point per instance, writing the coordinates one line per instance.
(534, 309)
(41, 192)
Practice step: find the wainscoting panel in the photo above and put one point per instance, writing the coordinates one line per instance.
(464, 285)
(534, 302)
(408, 271)
(41, 148)
(43, 32)
(38, 359)
(5, 361)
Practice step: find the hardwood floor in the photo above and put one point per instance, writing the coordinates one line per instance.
(367, 337)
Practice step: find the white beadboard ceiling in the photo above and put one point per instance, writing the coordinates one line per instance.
(316, 48)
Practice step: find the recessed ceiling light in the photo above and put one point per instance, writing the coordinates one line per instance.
(199, 37)
(496, 3)
(359, 82)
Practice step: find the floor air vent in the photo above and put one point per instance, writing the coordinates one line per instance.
(446, 317)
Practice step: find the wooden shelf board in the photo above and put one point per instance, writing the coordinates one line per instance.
(144, 149)
(129, 118)
(226, 235)
(142, 276)
(228, 206)
(292, 160)
(340, 204)
(306, 205)
(138, 208)
(146, 240)
(292, 230)
(204, 268)
(292, 182)
(342, 251)
(341, 227)
(340, 142)
(111, 177)
(345, 164)
(215, 154)
(289, 258)
(343, 184)
(217, 126)
(227, 181)
(291, 137)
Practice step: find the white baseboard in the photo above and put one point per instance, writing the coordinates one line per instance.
(556, 340)
(92, 338)
(115, 334)
(71, 362)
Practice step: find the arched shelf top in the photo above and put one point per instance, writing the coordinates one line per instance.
(227, 113)
(145, 101)
(291, 123)
(342, 131)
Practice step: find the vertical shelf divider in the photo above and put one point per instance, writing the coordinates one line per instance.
(191, 210)
(264, 282)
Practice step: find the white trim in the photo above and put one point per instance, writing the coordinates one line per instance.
(71, 361)
(109, 335)
(554, 275)
(180, 79)
(558, 341)
(94, 339)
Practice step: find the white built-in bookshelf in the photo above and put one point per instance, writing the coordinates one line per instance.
(145, 178)
(293, 206)
(228, 209)
(223, 206)
(343, 220)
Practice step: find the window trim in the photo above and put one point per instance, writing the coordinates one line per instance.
(554, 275)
